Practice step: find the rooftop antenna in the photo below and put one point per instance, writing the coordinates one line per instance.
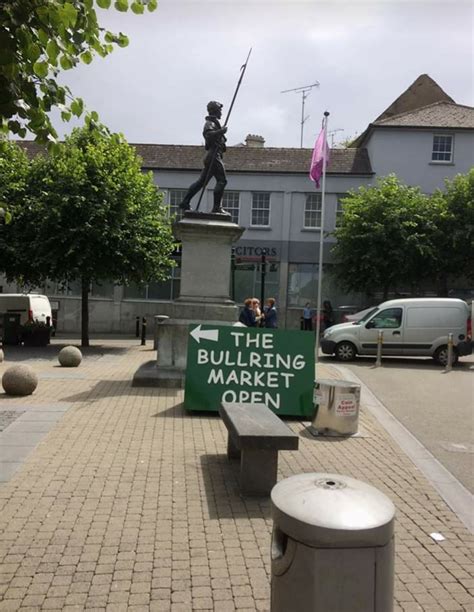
(304, 91)
(332, 132)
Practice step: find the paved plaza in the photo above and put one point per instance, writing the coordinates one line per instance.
(122, 501)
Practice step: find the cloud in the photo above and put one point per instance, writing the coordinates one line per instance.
(364, 54)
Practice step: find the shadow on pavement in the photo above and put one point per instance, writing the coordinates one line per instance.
(304, 433)
(221, 484)
(116, 388)
(177, 411)
(50, 352)
(411, 363)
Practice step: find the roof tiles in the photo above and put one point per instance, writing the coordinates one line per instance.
(242, 159)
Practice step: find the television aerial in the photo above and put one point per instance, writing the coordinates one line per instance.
(304, 91)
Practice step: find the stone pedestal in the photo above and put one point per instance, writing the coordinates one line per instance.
(206, 250)
(206, 254)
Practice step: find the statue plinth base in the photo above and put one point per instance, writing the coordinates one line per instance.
(206, 247)
(206, 255)
(209, 216)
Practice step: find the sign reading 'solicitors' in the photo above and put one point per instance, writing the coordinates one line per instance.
(240, 364)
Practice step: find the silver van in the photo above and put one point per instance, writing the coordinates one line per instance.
(415, 326)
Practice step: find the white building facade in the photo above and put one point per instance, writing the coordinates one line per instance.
(270, 194)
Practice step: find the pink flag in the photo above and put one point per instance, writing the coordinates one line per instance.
(321, 149)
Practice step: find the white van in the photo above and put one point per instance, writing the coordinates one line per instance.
(414, 327)
(30, 307)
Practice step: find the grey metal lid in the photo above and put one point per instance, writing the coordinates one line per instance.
(333, 511)
(332, 382)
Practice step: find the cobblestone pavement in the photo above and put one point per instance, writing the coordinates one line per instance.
(129, 503)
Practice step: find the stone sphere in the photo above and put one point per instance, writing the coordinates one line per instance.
(19, 380)
(70, 357)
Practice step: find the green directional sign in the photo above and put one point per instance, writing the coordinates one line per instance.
(251, 365)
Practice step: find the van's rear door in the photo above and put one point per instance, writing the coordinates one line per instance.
(40, 307)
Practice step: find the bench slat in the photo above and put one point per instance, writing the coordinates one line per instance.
(256, 426)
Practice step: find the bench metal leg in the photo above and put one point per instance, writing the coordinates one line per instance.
(232, 451)
(258, 471)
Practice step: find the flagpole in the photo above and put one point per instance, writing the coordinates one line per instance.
(321, 239)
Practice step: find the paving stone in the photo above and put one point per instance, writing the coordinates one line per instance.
(130, 504)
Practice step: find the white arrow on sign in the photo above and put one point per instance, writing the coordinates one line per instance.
(205, 334)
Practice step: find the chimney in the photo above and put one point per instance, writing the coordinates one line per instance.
(255, 141)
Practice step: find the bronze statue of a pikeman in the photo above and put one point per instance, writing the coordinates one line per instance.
(214, 136)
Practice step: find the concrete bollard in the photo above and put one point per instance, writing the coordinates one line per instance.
(19, 380)
(378, 361)
(449, 361)
(332, 545)
(158, 320)
(70, 357)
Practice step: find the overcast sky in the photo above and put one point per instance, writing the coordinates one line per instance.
(364, 55)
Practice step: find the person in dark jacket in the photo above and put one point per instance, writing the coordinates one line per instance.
(328, 314)
(247, 316)
(270, 312)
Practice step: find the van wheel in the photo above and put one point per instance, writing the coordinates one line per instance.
(345, 351)
(441, 356)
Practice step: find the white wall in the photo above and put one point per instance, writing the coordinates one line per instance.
(407, 153)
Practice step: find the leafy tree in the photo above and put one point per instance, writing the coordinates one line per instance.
(455, 239)
(13, 175)
(89, 215)
(347, 142)
(387, 236)
(38, 39)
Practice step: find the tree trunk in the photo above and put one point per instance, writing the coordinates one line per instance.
(443, 285)
(85, 312)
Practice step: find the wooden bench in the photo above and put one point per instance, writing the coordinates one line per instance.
(256, 435)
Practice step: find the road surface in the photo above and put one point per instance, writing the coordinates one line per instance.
(437, 407)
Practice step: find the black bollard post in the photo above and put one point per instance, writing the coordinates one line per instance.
(137, 327)
(144, 331)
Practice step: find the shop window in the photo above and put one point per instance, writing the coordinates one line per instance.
(247, 277)
(165, 290)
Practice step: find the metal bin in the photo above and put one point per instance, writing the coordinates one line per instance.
(332, 546)
(336, 407)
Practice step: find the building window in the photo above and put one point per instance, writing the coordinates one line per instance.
(260, 209)
(102, 289)
(159, 290)
(302, 284)
(175, 197)
(231, 203)
(312, 211)
(340, 208)
(442, 148)
(247, 277)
